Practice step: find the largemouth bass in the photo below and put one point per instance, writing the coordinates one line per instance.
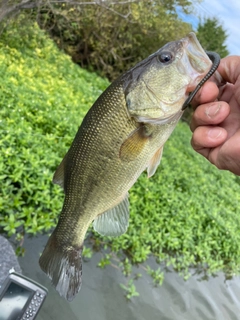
(122, 135)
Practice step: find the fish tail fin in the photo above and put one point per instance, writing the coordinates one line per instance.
(63, 266)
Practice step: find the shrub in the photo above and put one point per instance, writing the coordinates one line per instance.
(112, 38)
(44, 97)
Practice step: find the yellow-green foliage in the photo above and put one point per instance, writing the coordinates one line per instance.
(186, 215)
(43, 98)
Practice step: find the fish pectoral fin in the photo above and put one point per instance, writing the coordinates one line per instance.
(113, 222)
(154, 162)
(58, 177)
(134, 144)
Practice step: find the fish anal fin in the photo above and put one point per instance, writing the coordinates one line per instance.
(154, 162)
(63, 266)
(134, 144)
(58, 177)
(113, 222)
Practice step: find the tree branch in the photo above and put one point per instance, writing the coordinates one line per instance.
(8, 8)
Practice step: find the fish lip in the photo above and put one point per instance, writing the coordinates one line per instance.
(161, 120)
(191, 38)
(192, 45)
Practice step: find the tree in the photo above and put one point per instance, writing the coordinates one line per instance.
(111, 38)
(212, 36)
(10, 8)
(108, 36)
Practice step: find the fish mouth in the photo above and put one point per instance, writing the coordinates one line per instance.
(197, 61)
(196, 54)
(204, 64)
(215, 58)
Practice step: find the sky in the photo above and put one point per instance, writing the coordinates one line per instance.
(228, 14)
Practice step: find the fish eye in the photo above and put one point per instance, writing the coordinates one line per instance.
(165, 57)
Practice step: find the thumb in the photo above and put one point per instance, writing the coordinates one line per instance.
(229, 69)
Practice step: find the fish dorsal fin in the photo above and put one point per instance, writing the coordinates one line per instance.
(58, 177)
(154, 162)
(134, 144)
(113, 222)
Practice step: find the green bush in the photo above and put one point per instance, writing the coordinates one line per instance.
(44, 97)
(112, 38)
(186, 215)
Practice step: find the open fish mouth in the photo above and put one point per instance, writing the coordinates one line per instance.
(215, 58)
(197, 58)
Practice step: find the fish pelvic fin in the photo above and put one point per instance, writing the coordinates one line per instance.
(63, 266)
(113, 222)
(58, 177)
(154, 162)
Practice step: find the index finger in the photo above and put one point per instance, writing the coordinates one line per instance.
(229, 68)
(208, 93)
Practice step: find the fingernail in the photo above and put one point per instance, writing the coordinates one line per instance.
(212, 110)
(214, 133)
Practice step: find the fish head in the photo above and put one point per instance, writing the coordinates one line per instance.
(156, 88)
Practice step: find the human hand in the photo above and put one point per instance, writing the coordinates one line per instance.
(216, 120)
